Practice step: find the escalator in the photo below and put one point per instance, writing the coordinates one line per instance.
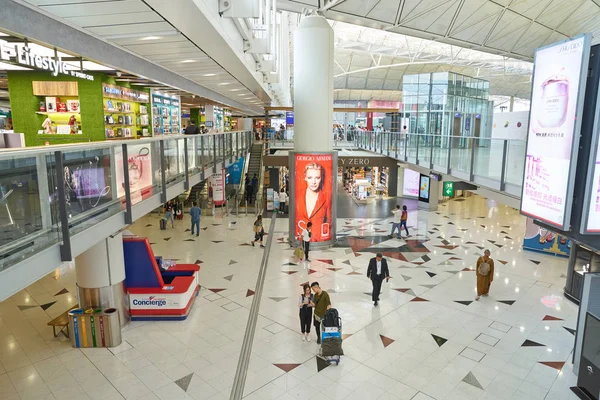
(254, 167)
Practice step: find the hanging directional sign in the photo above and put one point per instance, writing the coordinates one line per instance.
(449, 189)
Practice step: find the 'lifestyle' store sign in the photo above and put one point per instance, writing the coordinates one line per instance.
(24, 56)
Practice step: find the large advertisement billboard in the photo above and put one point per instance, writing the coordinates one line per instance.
(553, 134)
(590, 223)
(410, 185)
(313, 192)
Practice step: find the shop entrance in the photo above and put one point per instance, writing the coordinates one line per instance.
(365, 184)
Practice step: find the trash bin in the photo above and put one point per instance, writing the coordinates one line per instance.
(94, 327)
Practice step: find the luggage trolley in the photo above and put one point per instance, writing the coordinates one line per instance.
(331, 341)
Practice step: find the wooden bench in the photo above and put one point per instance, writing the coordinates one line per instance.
(62, 321)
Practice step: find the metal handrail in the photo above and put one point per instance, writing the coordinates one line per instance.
(62, 221)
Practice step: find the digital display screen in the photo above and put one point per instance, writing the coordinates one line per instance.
(411, 183)
(553, 134)
(591, 213)
(314, 193)
(424, 183)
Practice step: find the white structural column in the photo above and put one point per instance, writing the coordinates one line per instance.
(313, 85)
(245, 124)
(209, 111)
(100, 273)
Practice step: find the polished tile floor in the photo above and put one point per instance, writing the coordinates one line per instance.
(428, 339)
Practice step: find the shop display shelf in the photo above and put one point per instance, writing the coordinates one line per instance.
(118, 112)
(122, 138)
(58, 112)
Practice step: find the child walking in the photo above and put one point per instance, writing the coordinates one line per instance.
(403, 219)
(259, 231)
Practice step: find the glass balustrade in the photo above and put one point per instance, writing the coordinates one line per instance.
(493, 163)
(49, 194)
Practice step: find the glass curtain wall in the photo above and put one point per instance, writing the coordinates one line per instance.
(443, 104)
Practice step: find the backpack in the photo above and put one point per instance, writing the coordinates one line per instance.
(332, 318)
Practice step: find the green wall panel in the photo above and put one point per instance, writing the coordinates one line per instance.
(24, 105)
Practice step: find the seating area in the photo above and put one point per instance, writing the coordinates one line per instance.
(62, 322)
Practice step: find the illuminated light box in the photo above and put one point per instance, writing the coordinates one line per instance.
(553, 134)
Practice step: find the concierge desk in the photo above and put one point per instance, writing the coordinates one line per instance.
(157, 293)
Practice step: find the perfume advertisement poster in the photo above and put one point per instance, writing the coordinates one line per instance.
(552, 124)
(216, 188)
(140, 171)
(410, 185)
(314, 192)
(545, 241)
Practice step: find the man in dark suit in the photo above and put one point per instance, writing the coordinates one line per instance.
(377, 271)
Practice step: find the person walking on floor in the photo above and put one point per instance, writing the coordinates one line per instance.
(306, 235)
(305, 304)
(396, 221)
(169, 214)
(259, 231)
(282, 201)
(195, 213)
(485, 274)
(322, 304)
(403, 219)
(377, 271)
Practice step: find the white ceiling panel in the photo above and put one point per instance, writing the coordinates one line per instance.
(441, 25)
(392, 84)
(84, 9)
(500, 27)
(529, 8)
(131, 24)
(558, 11)
(474, 11)
(132, 29)
(584, 16)
(378, 73)
(356, 83)
(117, 18)
(375, 83)
(50, 2)
(361, 7)
(385, 10)
(512, 27)
(477, 32)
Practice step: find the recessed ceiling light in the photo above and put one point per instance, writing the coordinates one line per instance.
(224, 83)
(189, 61)
(151, 38)
(235, 90)
(209, 75)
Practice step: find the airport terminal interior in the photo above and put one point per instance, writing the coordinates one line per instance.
(294, 199)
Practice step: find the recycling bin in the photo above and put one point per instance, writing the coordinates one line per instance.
(94, 327)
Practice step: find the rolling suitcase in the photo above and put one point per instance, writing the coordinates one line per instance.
(163, 224)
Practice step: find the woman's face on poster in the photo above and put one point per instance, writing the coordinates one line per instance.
(313, 179)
